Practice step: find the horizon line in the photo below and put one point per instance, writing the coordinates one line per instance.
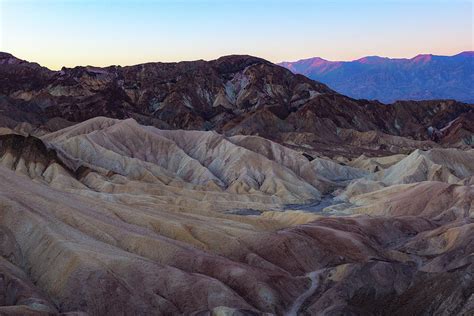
(276, 63)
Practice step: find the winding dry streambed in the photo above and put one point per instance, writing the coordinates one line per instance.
(298, 303)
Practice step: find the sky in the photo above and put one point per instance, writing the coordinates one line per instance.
(58, 33)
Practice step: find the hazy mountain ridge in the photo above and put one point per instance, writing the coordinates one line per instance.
(423, 77)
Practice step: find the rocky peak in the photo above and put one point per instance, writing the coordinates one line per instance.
(236, 63)
(9, 59)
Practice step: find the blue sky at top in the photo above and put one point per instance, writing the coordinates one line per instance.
(77, 32)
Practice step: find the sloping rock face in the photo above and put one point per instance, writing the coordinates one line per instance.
(110, 217)
(232, 95)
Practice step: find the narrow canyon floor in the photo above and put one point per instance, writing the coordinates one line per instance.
(110, 217)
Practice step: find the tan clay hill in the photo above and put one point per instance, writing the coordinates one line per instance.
(111, 217)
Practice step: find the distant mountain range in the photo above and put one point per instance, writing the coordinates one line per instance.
(424, 77)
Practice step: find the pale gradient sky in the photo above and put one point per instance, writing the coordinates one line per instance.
(58, 33)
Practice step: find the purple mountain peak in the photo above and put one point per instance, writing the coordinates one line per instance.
(372, 60)
(422, 58)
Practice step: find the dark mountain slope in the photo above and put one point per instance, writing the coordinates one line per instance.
(232, 95)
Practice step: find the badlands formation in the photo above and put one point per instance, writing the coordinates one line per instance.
(110, 217)
(242, 189)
